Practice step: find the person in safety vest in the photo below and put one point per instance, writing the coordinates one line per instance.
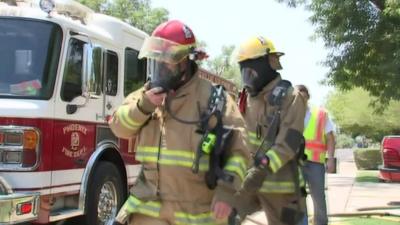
(170, 121)
(274, 114)
(320, 149)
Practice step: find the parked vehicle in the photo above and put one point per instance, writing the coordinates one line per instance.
(390, 170)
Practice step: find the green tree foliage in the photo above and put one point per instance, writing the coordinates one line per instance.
(138, 13)
(222, 65)
(364, 39)
(353, 113)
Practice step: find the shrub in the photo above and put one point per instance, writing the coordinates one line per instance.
(344, 141)
(367, 159)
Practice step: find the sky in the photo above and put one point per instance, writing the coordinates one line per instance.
(230, 22)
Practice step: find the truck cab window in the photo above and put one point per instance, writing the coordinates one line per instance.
(73, 72)
(95, 79)
(135, 71)
(111, 73)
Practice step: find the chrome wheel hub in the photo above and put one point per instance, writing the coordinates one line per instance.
(107, 207)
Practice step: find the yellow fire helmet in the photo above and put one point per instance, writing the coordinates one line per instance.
(256, 47)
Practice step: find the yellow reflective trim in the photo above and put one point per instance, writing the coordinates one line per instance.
(255, 142)
(170, 157)
(147, 154)
(134, 205)
(277, 187)
(252, 134)
(126, 120)
(182, 218)
(182, 153)
(150, 209)
(147, 149)
(275, 162)
(253, 139)
(236, 164)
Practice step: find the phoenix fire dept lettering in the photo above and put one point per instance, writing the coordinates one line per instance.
(74, 150)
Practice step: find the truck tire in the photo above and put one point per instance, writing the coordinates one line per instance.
(105, 194)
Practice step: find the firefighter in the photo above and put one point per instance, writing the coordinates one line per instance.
(319, 133)
(168, 118)
(274, 114)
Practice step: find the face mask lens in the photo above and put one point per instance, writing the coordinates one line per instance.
(248, 75)
(162, 74)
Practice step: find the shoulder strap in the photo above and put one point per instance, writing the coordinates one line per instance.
(279, 92)
(217, 99)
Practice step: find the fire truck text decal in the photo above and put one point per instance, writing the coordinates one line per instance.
(75, 149)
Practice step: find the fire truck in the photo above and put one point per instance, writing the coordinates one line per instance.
(64, 70)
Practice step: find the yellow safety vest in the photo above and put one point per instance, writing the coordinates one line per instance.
(314, 133)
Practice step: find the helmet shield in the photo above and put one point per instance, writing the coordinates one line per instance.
(164, 50)
(165, 75)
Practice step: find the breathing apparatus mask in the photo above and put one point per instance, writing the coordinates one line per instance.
(256, 73)
(169, 64)
(167, 76)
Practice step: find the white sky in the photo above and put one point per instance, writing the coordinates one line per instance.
(230, 22)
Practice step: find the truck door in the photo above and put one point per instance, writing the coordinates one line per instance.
(79, 108)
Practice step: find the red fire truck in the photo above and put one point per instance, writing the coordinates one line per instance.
(63, 71)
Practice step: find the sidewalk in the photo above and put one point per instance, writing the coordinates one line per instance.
(344, 195)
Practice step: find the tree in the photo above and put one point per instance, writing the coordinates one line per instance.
(352, 112)
(138, 13)
(364, 41)
(222, 65)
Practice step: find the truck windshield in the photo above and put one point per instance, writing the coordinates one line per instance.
(29, 54)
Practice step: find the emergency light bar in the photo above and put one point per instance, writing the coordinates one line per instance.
(71, 8)
(68, 8)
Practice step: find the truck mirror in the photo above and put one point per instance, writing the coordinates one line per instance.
(77, 102)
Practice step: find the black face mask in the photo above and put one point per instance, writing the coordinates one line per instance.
(256, 73)
(168, 78)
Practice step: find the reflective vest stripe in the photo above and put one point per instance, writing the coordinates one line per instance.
(236, 164)
(275, 163)
(170, 157)
(134, 205)
(316, 146)
(182, 218)
(315, 156)
(315, 136)
(126, 120)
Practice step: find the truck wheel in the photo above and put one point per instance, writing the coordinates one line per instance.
(105, 194)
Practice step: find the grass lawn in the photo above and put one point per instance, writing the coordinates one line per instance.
(375, 220)
(367, 176)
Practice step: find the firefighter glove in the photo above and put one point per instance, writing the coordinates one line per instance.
(145, 105)
(254, 179)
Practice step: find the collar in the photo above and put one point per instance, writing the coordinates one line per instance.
(263, 95)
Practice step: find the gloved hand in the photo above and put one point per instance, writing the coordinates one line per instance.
(256, 175)
(254, 179)
(151, 99)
